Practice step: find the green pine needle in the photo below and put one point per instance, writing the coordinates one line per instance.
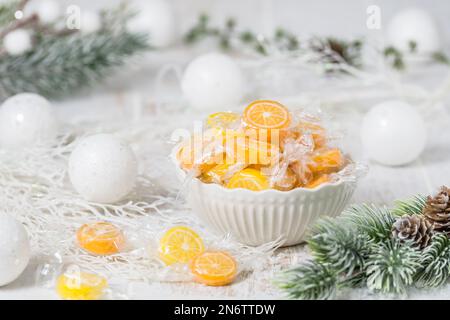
(409, 207)
(333, 241)
(358, 249)
(391, 267)
(441, 57)
(7, 11)
(310, 281)
(375, 222)
(62, 65)
(436, 263)
(395, 57)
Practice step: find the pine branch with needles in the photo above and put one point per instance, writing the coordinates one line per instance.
(333, 50)
(59, 66)
(391, 266)
(334, 242)
(63, 61)
(310, 281)
(435, 263)
(377, 248)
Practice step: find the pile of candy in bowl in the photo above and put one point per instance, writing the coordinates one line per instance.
(267, 147)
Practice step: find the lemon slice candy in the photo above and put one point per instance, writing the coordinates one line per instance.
(180, 245)
(249, 178)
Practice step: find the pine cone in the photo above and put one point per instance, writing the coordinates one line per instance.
(437, 210)
(416, 228)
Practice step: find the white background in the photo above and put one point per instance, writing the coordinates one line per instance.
(344, 18)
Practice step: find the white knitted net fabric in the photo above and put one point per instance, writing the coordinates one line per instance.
(36, 190)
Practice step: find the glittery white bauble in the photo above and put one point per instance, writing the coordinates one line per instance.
(26, 119)
(155, 17)
(213, 80)
(14, 249)
(102, 168)
(48, 11)
(17, 42)
(417, 25)
(90, 22)
(393, 133)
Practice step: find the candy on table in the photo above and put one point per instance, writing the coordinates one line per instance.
(81, 286)
(180, 245)
(100, 238)
(214, 268)
(266, 147)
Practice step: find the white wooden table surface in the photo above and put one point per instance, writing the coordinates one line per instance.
(382, 185)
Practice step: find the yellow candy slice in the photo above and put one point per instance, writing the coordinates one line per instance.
(221, 172)
(222, 119)
(250, 179)
(180, 245)
(81, 286)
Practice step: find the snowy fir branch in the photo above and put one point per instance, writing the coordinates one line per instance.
(333, 50)
(360, 248)
(61, 60)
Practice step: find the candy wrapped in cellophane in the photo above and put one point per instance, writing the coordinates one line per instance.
(268, 146)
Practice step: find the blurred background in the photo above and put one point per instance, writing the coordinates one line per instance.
(322, 17)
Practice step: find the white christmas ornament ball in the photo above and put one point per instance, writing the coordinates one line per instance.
(102, 168)
(14, 249)
(393, 133)
(17, 42)
(157, 19)
(90, 22)
(213, 80)
(417, 25)
(26, 119)
(48, 11)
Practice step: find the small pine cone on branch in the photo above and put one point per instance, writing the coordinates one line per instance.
(414, 228)
(437, 210)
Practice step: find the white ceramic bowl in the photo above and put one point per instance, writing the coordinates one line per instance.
(255, 218)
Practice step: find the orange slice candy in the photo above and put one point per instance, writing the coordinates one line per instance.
(267, 114)
(180, 245)
(214, 268)
(101, 238)
(250, 179)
